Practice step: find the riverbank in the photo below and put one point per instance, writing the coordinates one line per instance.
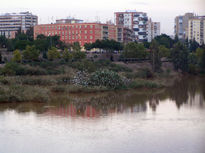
(39, 81)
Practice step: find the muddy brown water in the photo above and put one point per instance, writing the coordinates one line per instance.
(168, 120)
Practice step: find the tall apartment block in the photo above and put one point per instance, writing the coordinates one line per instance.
(181, 25)
(196, 29)
(153, 30)
(81, 32)
(10, 23)
(136, 21)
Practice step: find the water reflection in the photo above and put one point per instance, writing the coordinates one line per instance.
(189, 91)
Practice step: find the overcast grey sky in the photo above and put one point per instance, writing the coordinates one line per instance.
(163, 11)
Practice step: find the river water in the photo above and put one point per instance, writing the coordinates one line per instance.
(168, 120)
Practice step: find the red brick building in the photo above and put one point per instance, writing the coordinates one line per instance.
(78, 32)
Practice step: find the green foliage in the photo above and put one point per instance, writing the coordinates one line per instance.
(155, 56)
(0, 57)
(67, 56)
(108, 45)
(17, 56)
(53, 53)
(18, 93)
(78, 55)
(179, 55)
(76, 47)
(163, 51)
(164, 40)
(88, 46)
(31, 53)
(12, 68)
(134, 50)
(107, 79)
(84, 65)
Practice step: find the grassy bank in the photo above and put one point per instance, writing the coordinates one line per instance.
(39, 82)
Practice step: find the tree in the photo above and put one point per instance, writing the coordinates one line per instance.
(163, 51)
(88, 46)
(53, 54)
(66, 55)
(78, 55)
(164, 40)
(179, 56)
(31, 53)
(17, 56)
(155, 56)
(0, 57)
(76, 46)
(134, 50)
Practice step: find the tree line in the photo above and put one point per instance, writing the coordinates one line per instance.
(186, 56)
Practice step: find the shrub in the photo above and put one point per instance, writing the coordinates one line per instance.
(17, 56)
(3, 80)
(31, 53)
(53, 54)
(106, 78)
(37, 81)
(23, 94)
(78, 55)
(145, 73)
(84, 65)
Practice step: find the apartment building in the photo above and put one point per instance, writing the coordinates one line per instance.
(153, 30)
(125, 35)
(10, 23)
(78, 32)
(196, 29)
(136, 21)
(181, 25)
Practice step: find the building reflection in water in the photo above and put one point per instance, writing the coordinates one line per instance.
(188, 92)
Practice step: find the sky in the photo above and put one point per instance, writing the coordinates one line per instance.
(163, 11)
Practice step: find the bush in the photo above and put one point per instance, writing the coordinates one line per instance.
(78, 55)
(37, 81)
(145, 73)
(23, 94)
(17, 56)
(53, 54)
(106, 78)
(84, 65)
(3, 80)
(13, 68)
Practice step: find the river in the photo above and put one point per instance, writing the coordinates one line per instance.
(170, 120)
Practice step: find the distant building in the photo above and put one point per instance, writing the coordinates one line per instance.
(136, 21)
(125, 35)
(153, 30)
(196, 29)
(69, 20)
(181, 25)
(10, 23)
(78, 32)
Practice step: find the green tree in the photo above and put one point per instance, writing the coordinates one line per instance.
(179, 56)
(164, 52)
(17, 56)
(155, 56)
(66, 55)
(0, 57)
(164, 40)
(53, 53)
(134, 50)
(31, 53)
(78, 55)
(76, 46)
